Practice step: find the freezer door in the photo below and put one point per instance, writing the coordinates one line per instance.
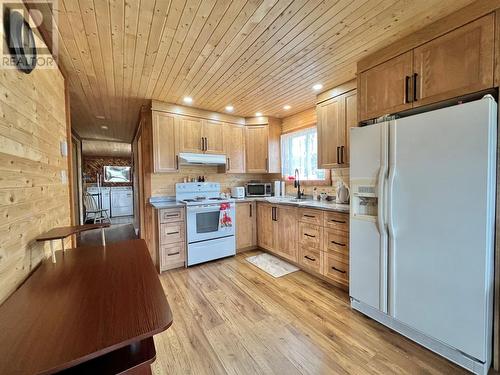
(368, 234)
(440, 215)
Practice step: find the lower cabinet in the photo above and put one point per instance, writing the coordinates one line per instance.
(171, 238)
(316, 240)
(246, 226)
(285, 232)
(277, 229)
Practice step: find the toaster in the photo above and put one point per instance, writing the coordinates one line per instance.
(238, 192)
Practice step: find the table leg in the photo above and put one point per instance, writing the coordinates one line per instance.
(62, 244)
(53, 251)
(103, 237)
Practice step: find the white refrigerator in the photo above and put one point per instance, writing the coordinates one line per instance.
(422, 228)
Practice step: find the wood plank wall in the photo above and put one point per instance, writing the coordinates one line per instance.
(32, 197)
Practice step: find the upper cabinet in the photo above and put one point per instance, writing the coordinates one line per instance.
(457, 63)
(190, 134)
(335, 117)
(263, 150)
(164, 142)
(257, 159)
(234, 145)
(251, 148)
(199, 135)
(385, 88)
(213, 134)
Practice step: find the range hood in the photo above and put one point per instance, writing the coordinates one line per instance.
(186, 158)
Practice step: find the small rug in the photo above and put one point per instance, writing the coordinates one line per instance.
(272, 265)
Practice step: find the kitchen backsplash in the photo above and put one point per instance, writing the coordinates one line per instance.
(163, 184)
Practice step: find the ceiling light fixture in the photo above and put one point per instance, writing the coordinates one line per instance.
(317, 86)
(287, 107)
(104, 127)
(229, 108)
(187, 100)
(258, 114)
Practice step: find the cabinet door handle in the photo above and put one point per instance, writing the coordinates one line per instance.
(206, 143)
(176, 161)
(169, 233)
(251, 213)
(170, 254)
(338, 151)
(202, 144)
(273, 213)
(308, 257)
(341, 154)
(311, 216)
(415, 75)
(338, 243)
(407, 90)
(337, 221)
(172, 215)
(228, 164)
(338, 270)
(309, 235)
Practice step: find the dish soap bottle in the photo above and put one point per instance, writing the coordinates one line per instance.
(315, 193)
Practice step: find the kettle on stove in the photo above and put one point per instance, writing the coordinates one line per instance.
(342, 193)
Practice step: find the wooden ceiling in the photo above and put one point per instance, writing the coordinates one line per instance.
(257, 55)
(106, 148)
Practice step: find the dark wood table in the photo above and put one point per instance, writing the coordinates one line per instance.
(94, 311)
(60, 233)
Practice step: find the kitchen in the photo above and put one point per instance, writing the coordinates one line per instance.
(312, 187)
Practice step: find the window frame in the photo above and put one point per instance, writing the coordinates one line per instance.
(327, 181)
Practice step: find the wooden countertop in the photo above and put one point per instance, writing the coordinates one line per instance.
(92, 301)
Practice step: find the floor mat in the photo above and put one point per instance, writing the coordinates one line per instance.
(272, 265)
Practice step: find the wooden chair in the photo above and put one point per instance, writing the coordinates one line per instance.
(92, 210)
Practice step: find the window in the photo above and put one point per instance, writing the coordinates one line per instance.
(299, 150)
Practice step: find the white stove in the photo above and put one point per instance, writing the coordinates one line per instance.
(210, 221)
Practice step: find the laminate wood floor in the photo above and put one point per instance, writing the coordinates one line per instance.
(232, 318)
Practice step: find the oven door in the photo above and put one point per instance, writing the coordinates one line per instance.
(204, 222)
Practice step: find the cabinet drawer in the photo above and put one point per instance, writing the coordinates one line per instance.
(171, 233)
(171, 215)
(337, 220)
(172, 255)
(307, 215)
(311, 235)
(336, 241)
(310, 259)
(335, 268)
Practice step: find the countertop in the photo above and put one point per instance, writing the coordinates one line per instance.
(165, 202)
(306, 203)
(170, 202)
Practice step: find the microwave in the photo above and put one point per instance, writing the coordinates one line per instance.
(259, 189)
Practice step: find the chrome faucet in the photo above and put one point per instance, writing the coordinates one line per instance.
(296, 183)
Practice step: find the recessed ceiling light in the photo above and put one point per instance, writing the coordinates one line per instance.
(286, 107)
(258, 114)
(317, 86)
(229, 108)
(187, 100)
(104, 127)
